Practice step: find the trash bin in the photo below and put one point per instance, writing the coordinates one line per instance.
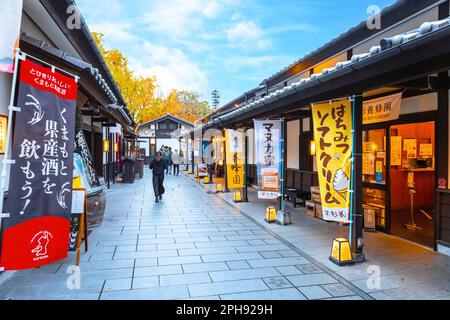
(139, 167)
(129, 172)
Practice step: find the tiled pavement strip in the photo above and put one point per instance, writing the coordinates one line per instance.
(193, 245)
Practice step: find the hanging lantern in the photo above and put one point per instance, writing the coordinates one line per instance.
(341, 253)
(312, 148)
(237, 197)
(271, 215)
(105, 145)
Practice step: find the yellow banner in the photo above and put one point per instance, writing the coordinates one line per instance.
(332, 133)
(235, 158)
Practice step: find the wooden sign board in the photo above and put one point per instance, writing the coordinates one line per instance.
(78, 228)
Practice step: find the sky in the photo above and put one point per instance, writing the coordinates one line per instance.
(228, 45)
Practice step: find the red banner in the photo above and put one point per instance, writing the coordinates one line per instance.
(40, 189)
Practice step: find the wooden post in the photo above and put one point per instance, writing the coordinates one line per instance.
(358, 213)
(245, 190)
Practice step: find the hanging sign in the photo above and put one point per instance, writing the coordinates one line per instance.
(332, 131)
(11, 17)
(396, 151)
(382, 109)
(235, 158)
(39, 195)
(268, 157)
(410, 146)
(83, 164)
(3, 133)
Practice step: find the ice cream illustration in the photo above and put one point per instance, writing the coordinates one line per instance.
(341, 183)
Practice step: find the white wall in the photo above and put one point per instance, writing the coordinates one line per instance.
(293, 144)
(423, 103)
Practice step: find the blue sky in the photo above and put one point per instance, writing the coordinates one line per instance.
(228, 45)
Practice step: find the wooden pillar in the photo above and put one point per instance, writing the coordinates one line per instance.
(358, 213)
(245, 191)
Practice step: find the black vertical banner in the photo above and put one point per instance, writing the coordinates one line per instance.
(40, 189)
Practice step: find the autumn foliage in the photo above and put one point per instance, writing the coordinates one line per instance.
(140, 93)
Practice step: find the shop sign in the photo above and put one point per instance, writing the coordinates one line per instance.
(442, 183)
(268, 157)
(382, 109)
(235, 158)
(332, 131)
(396, 151)
(84, 164)
(11, 17)
(40, 189)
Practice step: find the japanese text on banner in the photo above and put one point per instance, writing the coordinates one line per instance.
(332, 132)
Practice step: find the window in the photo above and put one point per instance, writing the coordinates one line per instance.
(162, 126)
(374, 156)
(173, 126)
(374, 202)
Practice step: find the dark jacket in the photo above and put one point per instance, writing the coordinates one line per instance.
(158, 167)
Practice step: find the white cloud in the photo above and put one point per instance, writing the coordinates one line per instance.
(247, 35)
(171, 66)
(115, 32)
(180, 18)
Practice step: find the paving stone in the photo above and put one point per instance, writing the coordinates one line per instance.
(117, 284)
(243, 274)
(280, 294)
(338, 290)
(145, 254)
(314, 292)
(159, 293)
(101, 256)
(158, 270)
(277, 262)
(145, 282)
(203, 251)
(311, 279)
(309, 269)
(237, 265)
(179, 260)
(277, 283)
(198, 290)
(231, 257)
(204, 267)
(289, 271)
(180, 279)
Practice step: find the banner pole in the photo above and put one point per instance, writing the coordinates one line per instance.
(11, 111)
(245, 166)
(283, 147)
(352, 177)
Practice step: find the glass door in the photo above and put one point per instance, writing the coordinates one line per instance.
(412, 181)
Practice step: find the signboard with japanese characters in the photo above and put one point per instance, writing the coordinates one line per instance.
(332, 132)
(84, 166)
(39, 195)
(235, 158)
(268, 157)
(11, 17)
(382, 109)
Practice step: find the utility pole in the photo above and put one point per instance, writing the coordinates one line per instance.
(215, 99)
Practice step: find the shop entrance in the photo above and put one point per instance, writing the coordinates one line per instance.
(399, 180)
(412, 182)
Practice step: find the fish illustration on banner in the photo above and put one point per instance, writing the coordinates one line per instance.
(235, 158)
(332, 133)
(40, 192)
(268, 157)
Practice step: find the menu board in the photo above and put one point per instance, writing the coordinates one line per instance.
(426, 150)
(396, 151)
(368, 163)
(410, 146)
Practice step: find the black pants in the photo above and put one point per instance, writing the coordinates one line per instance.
(176, 169)
(158, 188)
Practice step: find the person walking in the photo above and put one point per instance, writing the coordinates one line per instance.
(176, 159)
(166, 157)
(158, 166)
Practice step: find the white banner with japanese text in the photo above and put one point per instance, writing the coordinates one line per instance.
(268, 157)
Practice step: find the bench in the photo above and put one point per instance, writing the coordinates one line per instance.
(292, 196)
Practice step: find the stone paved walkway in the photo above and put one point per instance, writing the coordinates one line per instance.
(190, 246)
(193, 245)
